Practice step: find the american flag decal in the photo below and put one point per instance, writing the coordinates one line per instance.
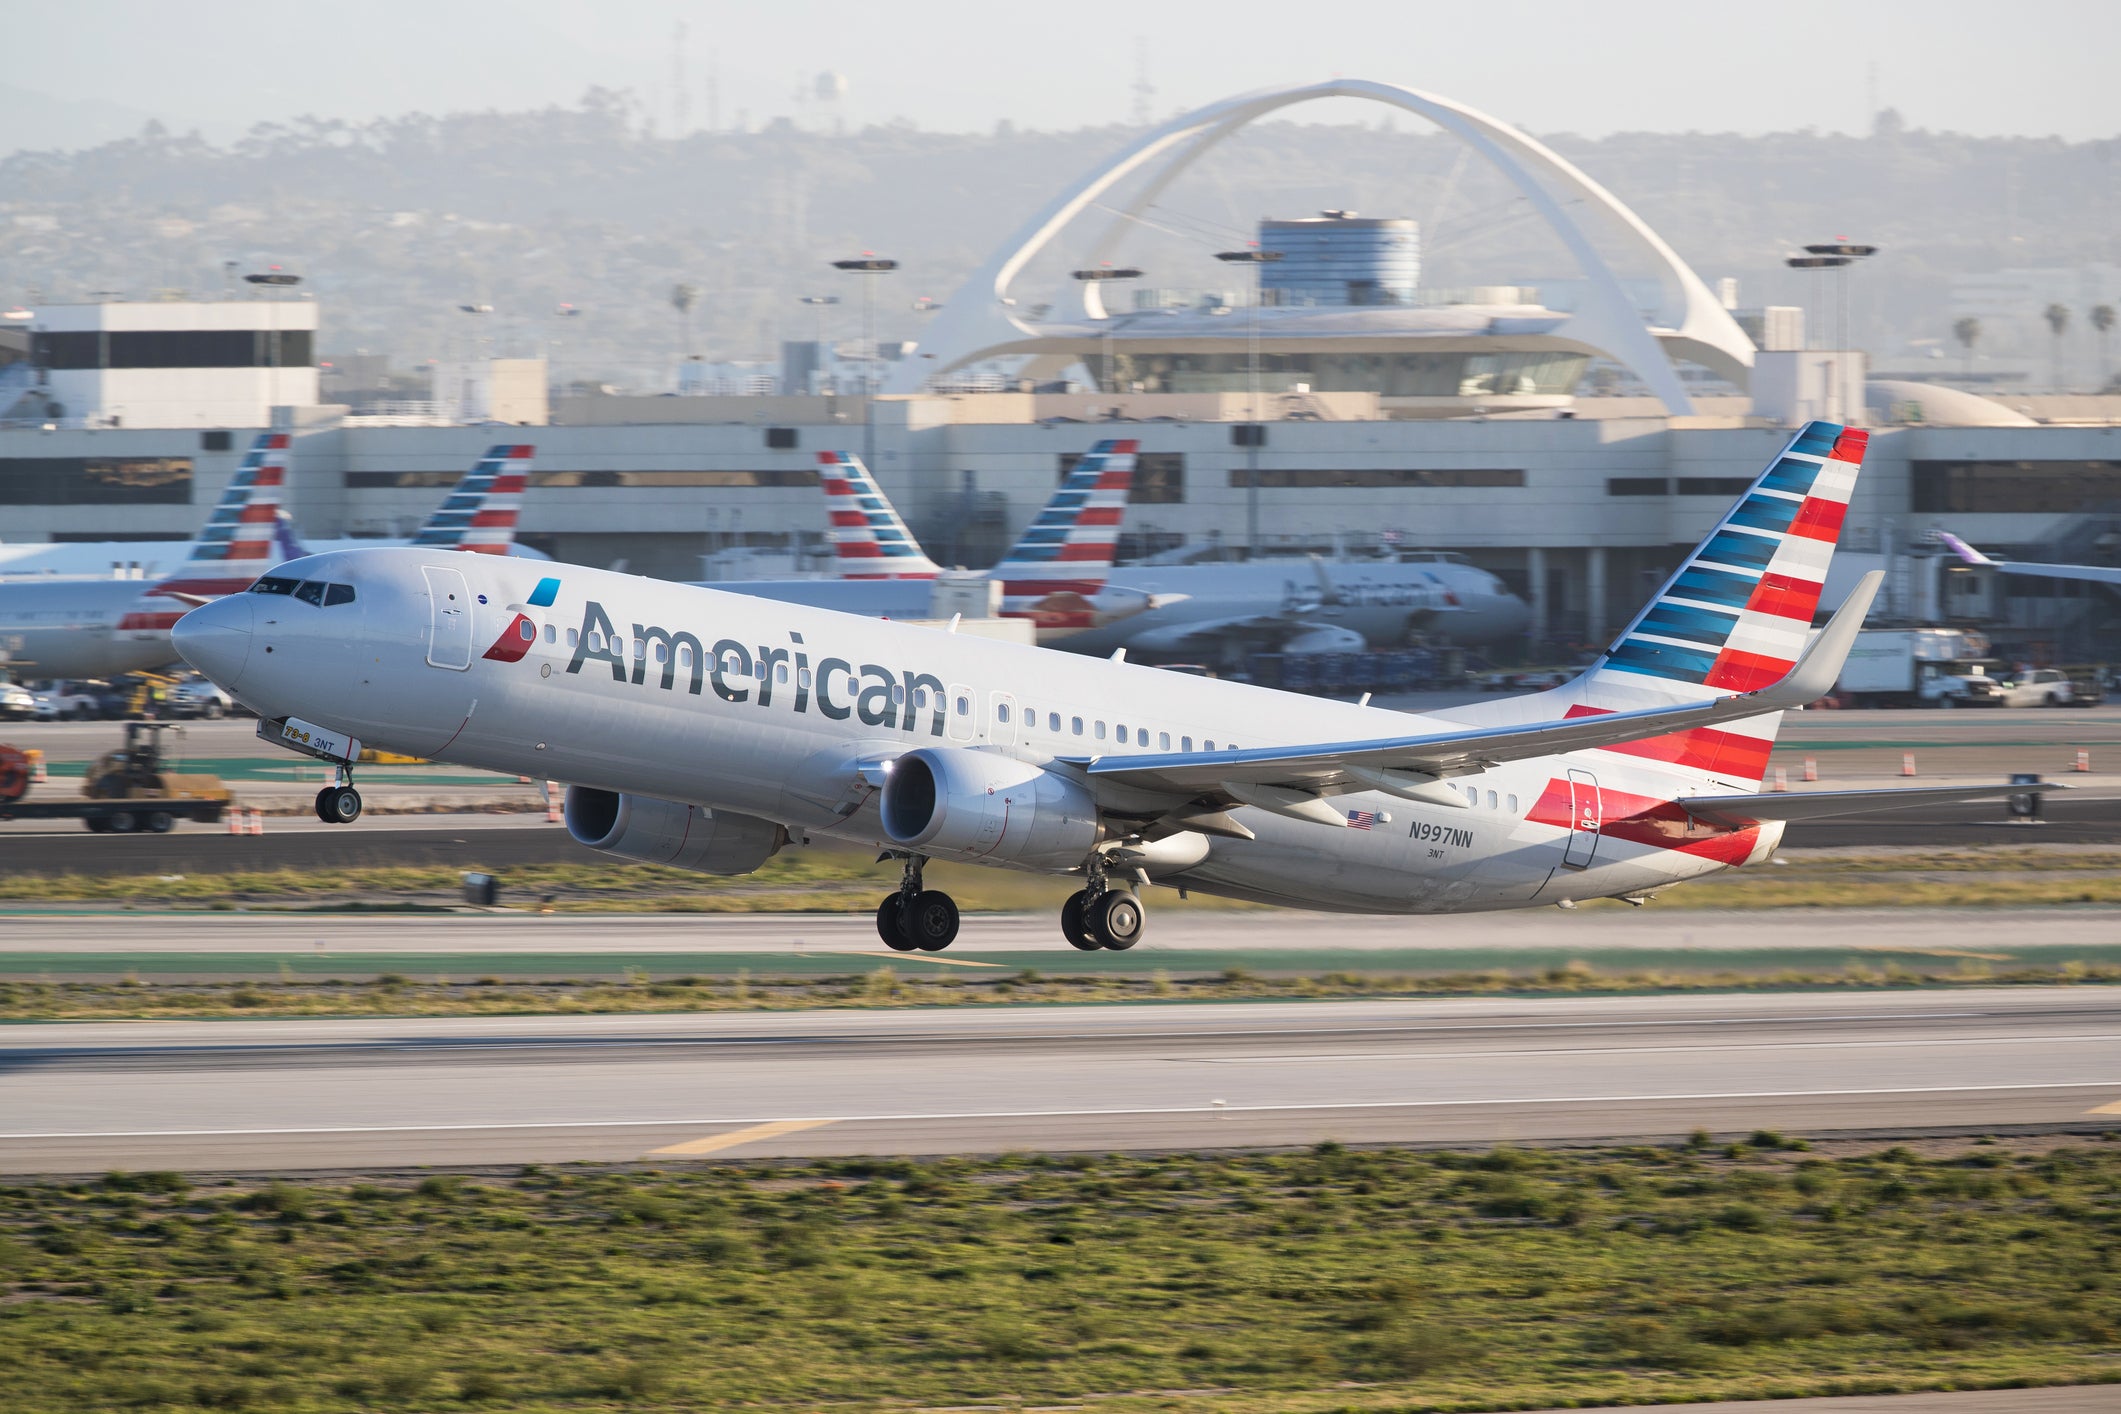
(1362, 819)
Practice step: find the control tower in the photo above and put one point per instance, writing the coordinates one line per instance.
(1339, 258)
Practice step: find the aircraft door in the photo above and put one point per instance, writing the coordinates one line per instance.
(1001, 717)
(1586, 815)
(964, 702)
(448, 618)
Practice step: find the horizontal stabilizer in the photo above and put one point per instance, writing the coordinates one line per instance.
(1825, 804)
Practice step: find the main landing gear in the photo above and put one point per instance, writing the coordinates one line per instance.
(1104, 915)
(916, 919)
(339, 803)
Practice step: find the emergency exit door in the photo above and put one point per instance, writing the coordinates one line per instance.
(1586, 816)
(448, 618)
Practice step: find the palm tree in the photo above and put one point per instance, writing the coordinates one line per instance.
(2057, 317)
(2102, 317)
(682, 299)
(1967, 331)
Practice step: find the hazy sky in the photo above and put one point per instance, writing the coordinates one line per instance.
(2032, 67)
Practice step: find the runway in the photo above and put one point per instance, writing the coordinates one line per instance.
(388, 1093)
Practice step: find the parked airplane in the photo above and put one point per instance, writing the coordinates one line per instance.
(2097, 574)
(102, 628)
(710, 730)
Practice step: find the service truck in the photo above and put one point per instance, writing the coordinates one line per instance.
(1919, 667)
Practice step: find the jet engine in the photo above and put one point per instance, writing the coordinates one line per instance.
(651, 831)
(1323, 638)
(977, 805)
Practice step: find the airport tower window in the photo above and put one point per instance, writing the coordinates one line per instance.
(1053, 721)
(338, 594)
(1076, 724)
(1163, 741)
(527, 631)
(274, 584)
(311, 591)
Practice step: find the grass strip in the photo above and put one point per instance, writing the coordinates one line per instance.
(1287, 1284)
(635, 990)
(839, 880)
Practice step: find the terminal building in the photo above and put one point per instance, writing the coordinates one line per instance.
(1336, 405)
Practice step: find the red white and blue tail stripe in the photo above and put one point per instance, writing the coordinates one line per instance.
(1069, 548)
(480, 514)
(239, 540)
(869, 540)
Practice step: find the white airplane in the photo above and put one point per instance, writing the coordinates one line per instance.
(2096, 574)
(103, 628)
(709, 730)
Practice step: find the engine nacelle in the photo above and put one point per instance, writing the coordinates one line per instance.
(651, 831)
(1325, 638)
(954, 801)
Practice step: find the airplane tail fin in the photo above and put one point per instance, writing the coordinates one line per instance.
(869, 541)
(239, 541)
(480, 514)
(1737, 613)
(288, 542)
(1068, 548)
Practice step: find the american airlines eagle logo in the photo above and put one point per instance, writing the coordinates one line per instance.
(515, 640)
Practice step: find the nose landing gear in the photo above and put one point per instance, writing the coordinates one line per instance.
(1103, 915)
(339, 803)
(916, 919)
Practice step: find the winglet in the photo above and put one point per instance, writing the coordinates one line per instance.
(1963, 550)
(1819, 669)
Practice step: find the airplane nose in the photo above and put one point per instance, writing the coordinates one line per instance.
(215, 638)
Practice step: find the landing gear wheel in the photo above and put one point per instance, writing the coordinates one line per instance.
(1073, 928)
(338, 805)
(890, 924)
(123, 823)
(1116, 919)
(932, 922)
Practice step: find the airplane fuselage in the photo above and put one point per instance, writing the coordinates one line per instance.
(85, 628)
(774, 711)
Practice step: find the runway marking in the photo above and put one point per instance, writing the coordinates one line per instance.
(714, 1143)
(1937, 952)
(1204, 1108)
(1953, 1041)
(2113, 1108)
(923, 957)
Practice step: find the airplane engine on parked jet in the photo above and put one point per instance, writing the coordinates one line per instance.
(651, 831)
(1325, 638)
(954, 801)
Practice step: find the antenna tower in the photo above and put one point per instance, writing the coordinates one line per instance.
(680, 100)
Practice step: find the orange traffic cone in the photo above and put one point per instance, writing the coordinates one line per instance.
(2084, 761)
(235, 823)
(552, 803)
(39, 775)
(1782, 780)
(1811, 768)
(257, 821)
(1907, 763)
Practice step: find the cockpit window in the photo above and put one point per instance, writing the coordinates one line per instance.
(337, 594)
(311, 591)
(273, 584)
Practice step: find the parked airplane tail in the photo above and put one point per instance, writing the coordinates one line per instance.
(1737, 613)
(239, 541)
(869, 540)
(480, 515)
(1069, 547)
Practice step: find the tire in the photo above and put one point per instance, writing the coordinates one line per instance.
(1116, 919)
(160, 822)
(212, 711)
(889, 925)
(322, 809)
(97, 824)
(122, 823)
(1073, 926)
(933, 924)
(339, 805)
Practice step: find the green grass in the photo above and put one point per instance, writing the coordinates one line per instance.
(899, 985)
(837, 880)
(1327, 1280)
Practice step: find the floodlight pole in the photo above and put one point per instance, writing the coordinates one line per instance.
(818, 303)
(1256, 431)
(869, 267)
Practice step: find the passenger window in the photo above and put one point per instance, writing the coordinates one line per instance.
(1185, 743)
(802, 679)
(1513, 805)
(1207, 746)
(780, 675)
(759, 671)
(640, 648)
(1100, 731)
(336, 594)
(1122, 733)
(964, 707)
(731, 663)
(1141, 736)
(1053, 721)
(920, 694)
(1001, 711)
(311, 591)
(526, 630)
(552, 635)
(1491, 800)
(1077, 724)
(1163, 741)
(574, 638)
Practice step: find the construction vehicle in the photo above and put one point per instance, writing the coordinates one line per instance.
(133, 788)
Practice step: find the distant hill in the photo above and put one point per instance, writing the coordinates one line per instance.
(398, 221)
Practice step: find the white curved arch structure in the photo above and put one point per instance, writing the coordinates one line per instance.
(982, 315)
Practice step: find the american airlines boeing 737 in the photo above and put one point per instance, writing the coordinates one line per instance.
(709, 730)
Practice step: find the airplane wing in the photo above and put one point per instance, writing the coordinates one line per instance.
(2096, 574)
(1212, 633)
(1291, 780)
(1825, 804)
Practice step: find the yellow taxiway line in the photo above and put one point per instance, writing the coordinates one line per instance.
(751, 1134)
